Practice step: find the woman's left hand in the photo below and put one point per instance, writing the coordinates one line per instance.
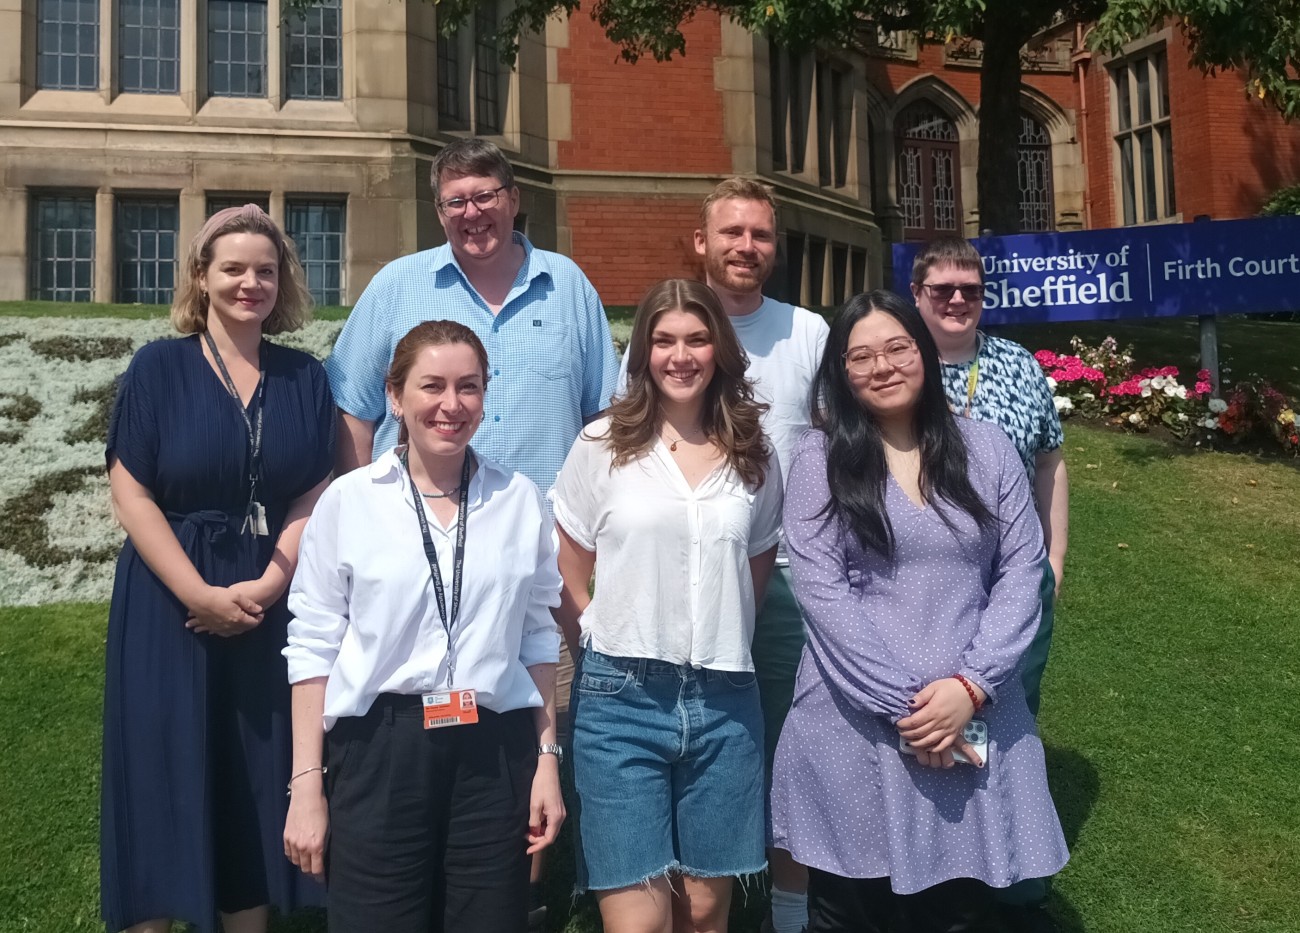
(941, 711)
(546, 809)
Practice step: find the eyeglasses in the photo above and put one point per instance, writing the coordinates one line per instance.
(863, 361)
(454, 207)
(945, 291)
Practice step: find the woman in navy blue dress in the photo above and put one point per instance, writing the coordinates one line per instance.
(219, 445)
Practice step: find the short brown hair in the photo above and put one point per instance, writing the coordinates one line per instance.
(190, 303)
(471, 156)
(738, 188)
(429, 334)
(732, 416)
(946, 251)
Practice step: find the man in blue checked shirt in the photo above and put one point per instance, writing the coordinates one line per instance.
(553, 362)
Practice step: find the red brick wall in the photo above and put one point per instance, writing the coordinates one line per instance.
(890, 76)
(626, 244)
(647, 117)
(1094, 135)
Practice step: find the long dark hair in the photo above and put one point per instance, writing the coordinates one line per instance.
(855, 458)
(731, 416)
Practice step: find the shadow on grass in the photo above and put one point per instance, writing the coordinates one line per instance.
(1075, 788)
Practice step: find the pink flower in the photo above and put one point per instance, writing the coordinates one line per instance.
(1202, 387)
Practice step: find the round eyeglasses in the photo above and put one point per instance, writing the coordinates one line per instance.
(863, 361)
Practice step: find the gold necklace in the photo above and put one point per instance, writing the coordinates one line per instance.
(673, 445)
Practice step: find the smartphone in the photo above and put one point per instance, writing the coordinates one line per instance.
(976, 735)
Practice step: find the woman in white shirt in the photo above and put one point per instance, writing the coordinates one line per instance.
(422, 656)
(671, 499)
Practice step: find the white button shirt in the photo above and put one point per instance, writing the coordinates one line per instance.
(364, 611)
(672, 563)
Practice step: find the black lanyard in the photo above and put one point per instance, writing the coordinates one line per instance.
(458, 557)
(254, 426)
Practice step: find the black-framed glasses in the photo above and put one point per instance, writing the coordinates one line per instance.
(944, 291)
(863, 361)
(454, 207)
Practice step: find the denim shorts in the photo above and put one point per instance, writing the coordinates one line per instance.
(668, 765)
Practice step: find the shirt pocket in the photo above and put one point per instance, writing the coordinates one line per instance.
(731, 516)
(550, 348)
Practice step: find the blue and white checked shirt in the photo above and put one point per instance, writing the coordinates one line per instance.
(553, 363)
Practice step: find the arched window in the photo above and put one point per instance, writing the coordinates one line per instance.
(929, 172)
(1034, 167)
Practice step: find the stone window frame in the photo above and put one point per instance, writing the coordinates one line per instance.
(1145, 190)
(323, 252)
(55, 247)
(140, 23)
(155, 252)
(311, 27)
(1034, 173)
(813, 99)
(475, 91)
(224, 73)
(60, 20)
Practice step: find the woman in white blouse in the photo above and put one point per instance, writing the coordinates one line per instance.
(422, 655)
(670, 498)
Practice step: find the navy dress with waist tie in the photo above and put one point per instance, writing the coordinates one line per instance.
(197, 738)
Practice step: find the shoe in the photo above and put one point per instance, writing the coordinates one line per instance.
(537, 919)
(1027, 918)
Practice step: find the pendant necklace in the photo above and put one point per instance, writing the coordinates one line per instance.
(441, 495)
(673, 445)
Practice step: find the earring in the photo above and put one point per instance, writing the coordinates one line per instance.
(397, 415)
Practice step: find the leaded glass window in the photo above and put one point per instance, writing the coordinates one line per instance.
(1143, 134)
(62, 248)
(146, 250)
(67, 45)
(313, 52)
(237, 48)
(317, 228)
(1034, 172)
(928, 168)
(149, 46)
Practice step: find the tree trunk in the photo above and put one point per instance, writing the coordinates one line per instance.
(999, 118)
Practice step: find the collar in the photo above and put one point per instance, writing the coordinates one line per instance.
(536, 263)
(387, 470)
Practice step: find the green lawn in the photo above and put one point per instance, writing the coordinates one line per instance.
(1169, 711)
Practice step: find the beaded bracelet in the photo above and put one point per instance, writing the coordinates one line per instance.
(970, 691)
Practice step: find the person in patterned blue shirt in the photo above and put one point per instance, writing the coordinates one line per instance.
(991, 379)
(553, 364)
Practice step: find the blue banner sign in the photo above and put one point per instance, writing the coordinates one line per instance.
(1170, 270)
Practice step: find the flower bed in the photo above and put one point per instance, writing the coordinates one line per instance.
(56, 391)
(1099, 382)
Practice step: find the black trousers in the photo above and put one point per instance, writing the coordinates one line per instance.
(427, 827)
(867, 905)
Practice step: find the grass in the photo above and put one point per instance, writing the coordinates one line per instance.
(1169, 711)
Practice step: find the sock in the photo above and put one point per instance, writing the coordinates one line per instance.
(789, 911)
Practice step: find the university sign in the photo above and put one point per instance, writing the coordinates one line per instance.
(1171, 270)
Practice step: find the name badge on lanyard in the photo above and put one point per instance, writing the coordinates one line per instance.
(254, 511)
(452, 707)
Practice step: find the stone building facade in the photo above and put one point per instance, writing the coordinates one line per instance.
(124, 123)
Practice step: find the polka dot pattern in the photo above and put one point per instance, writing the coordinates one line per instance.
(844, 798)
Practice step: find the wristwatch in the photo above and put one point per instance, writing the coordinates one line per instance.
(552, 749)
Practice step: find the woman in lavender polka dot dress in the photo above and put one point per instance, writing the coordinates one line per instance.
(916, 555)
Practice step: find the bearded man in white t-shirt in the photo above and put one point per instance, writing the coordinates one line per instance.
(737, 241)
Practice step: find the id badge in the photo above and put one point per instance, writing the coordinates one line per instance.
(255, 522)
(453, 708)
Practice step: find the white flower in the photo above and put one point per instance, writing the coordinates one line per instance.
(1182, 417)
(1171, 391)
(1210, 423)
(1217, 405)
(1051, 383)
(1135, 418)
(1146, 389)
(1088, 396)
(1063, 404)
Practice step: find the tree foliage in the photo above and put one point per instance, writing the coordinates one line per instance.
(1259, 38)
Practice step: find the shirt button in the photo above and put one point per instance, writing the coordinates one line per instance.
(695, 540)
(496, 372)
(496, 417)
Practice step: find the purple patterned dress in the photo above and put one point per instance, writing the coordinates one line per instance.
(844, 799)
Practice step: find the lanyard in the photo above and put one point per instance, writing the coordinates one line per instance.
(252, 513)
(973, 379)
(458, 557)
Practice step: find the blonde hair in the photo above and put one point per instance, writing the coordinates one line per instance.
(738, 188)
(292, 301)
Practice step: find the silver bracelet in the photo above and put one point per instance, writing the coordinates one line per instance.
(289, 787)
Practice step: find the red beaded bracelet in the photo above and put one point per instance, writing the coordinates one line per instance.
(970, 691)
